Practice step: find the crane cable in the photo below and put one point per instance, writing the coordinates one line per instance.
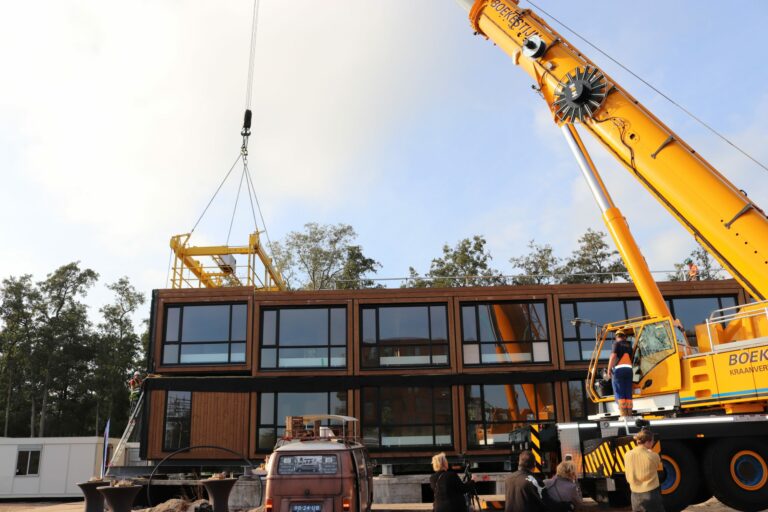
(245, 132)
(648, 84)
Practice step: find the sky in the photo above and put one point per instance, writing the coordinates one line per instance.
(118, 120)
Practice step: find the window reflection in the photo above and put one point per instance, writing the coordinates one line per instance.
(579, 340)
(205, 334)
(505, 332)
(178, 416)
(695, 310)
(407, 417)
(579, 404)
(404, 336)
(304, 337)
(274, 407)
(493, 411)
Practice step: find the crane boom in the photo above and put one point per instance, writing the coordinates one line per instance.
(719, 215)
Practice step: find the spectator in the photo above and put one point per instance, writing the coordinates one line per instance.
(693, 270)
(523, 493)
(641, 469)
(562, 488)
(447, 487)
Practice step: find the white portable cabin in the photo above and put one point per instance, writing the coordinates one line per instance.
(48, 467)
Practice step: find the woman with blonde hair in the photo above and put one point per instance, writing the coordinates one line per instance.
(448, 488)
(563, 493)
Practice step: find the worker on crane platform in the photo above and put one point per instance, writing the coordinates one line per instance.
(620, 372)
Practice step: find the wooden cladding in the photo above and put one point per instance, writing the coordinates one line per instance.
(217, 419)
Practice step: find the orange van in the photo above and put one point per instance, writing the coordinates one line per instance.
(319, 474)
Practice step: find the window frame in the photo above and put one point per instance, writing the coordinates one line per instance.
(479, 343)
(430, 342)
(276, 347)
(165, 447)
(29, 450)
(180, 331)
(276, 425)
(484, 424)
(579, 339)
(379, 425)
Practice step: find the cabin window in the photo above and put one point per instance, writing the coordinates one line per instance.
(178, 417)
(303, 337)
(205, 334)
(505, 332)
(579, 404)
(495, 410)
(579, 339)
(407, 417)
(274, 407)
(404, 336)
(695, 310)
(28, 461)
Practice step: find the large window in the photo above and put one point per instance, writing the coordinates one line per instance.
(274, 407)
(178, 417)
(505, 332)
(579, 404)
(695, 310)
(205, 334)
(493, 411)
(407, 417)
(304, 337)
(28, 461)
(404, 336)
(579, 339)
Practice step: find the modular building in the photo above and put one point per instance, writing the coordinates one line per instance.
(424, 369)
(48, 467)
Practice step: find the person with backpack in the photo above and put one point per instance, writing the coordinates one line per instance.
(561, 493)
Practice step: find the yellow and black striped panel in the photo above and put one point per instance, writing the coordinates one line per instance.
(536, 446)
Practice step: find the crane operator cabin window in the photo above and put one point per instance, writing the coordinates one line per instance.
(205, 334)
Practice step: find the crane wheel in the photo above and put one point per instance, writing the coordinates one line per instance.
(736, 470)
(680, 476)
(702, 493)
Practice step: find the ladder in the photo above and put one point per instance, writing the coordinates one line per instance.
(120, 448)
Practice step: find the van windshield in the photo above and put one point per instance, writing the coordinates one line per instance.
(308, 464)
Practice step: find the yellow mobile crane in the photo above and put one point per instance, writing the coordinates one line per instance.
(706, 401)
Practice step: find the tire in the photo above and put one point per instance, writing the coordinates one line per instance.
(702, 493)
(680, 478)
(736, 470)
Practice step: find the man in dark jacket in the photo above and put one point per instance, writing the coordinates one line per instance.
(523, 492)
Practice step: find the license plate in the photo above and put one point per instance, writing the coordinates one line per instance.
(306, 507)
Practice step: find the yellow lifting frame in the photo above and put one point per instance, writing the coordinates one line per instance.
(190, 272)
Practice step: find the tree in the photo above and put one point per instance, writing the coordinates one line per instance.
(321, 256)
(593, 261)
(539, 266)
(59, 358)
(466, 264)
(117, 352)
(18, 300)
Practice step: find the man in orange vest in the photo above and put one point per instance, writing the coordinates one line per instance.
(693, 270)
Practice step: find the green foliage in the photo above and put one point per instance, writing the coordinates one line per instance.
(60, 376)
(323, 257)
(466, 264)
(593, 261)
(539, 266)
